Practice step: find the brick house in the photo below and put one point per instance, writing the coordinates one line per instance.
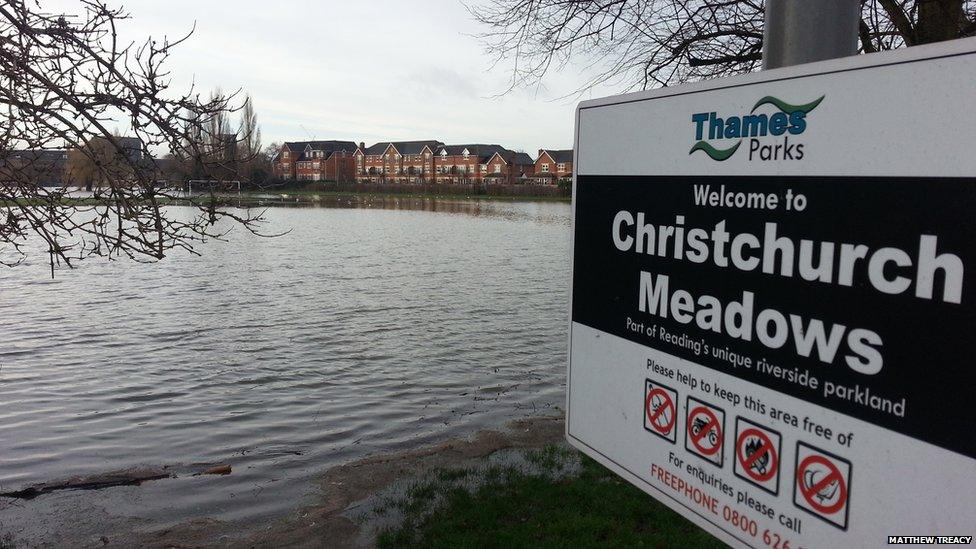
(316, 161)
(553, 165)
(425, 161)
(465, 163)
(509, 168)
(396, 162)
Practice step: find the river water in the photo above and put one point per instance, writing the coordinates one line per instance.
(373, 326)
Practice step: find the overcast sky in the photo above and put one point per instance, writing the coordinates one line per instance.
(369, 70)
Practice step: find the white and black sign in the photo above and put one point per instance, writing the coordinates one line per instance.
(797, 260)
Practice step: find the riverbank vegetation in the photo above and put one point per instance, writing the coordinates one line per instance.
(553, 497)
(561, 191)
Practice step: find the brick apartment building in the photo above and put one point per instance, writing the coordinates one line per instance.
(479, 163)
(552, 166)
(424, 161)
(316, 161)
(396, 162)
(508, 168)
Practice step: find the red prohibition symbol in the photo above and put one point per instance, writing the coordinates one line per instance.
(700, 432)
(664, 405)
(766, 446)
(810, 492)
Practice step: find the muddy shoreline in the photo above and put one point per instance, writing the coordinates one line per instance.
(324, 522)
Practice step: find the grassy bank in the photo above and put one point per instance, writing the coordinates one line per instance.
(554, 498)
(291, 197)
(312, 196)
(433, 190)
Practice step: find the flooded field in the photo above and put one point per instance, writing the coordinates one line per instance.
(374, 325)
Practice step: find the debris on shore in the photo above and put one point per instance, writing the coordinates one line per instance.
(125, 477)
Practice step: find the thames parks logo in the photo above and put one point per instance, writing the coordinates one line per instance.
(788, 120)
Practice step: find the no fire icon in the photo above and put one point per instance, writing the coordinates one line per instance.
(660, 410)
(757, 455)
(705, 431)
(823, 484)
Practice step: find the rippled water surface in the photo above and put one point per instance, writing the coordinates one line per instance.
(364, 329)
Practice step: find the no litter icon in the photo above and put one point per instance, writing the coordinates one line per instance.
(660, 410)
(705, 431)
(823, 484)
(757, 455)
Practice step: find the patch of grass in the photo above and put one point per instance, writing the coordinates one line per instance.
(550, 458)
(514, 509)
(452, 475)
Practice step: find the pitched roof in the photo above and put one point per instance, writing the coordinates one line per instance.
(515, 158)
(404, 147)
(332, 145)
(559, 156)
(521, 159)
(328, 146)
(482, 151)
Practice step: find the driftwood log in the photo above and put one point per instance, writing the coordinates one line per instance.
(127, 477)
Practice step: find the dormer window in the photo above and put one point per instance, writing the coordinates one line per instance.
(443, 152)
(466, 153)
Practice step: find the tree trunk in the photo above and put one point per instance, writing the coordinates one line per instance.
(938, 20)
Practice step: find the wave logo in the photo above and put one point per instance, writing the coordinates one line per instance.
(788, 120)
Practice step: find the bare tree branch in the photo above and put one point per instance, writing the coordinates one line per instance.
(64, 85)
(639, 44)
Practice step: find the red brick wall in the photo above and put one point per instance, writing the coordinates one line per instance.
(393, 167)
(457, 169)
(555, 171)
(565, 171)
(341, 166)
(284, 165)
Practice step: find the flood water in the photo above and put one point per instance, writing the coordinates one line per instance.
(371, 327)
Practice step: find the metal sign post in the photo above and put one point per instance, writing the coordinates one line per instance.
(801, 31)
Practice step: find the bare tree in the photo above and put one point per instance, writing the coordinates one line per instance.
(250, 131)
(64, 81)
(256, 166)
(641, 44)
